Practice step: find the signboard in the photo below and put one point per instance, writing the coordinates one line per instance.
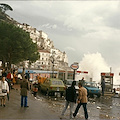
(82, 72)
(74, 66)
(107, 74)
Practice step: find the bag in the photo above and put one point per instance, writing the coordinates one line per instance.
(35, 89)
(4, 91)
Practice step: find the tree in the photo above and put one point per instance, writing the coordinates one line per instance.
(5, 7)
(16, 45)
(3, 15)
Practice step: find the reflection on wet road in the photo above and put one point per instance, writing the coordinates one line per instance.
(98, 108)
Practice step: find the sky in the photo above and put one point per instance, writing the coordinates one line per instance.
(88, 31)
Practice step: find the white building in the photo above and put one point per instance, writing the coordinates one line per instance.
(46, 50)
(61, 60)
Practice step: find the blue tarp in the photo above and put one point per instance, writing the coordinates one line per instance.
(37, 71)
(26, 71)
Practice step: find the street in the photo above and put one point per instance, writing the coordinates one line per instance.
(45, 107)
(36, 110)
(98, 108)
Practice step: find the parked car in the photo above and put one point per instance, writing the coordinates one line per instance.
(52, 86)
(117, 90)
(92, 89)
(68, 83)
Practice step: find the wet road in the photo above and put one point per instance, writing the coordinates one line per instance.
(46, 108)
(37, 109)
(98, 108)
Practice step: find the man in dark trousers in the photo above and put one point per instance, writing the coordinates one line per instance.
(70, 99)
(28, 75)
(82, 100)
(24, 88)
(103, 86)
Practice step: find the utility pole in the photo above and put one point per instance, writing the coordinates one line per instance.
(52, 59)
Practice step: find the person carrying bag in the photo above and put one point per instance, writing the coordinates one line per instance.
(4, 91)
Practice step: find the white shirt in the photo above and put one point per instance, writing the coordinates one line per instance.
(3, 86)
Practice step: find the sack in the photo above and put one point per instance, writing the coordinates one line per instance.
(4, 91)
(35, 89)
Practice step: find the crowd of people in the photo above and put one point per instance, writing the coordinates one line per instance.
(10, 78)
(7, 80)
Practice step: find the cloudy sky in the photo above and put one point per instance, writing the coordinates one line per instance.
(77, 27)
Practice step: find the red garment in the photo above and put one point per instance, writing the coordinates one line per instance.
(9, 76)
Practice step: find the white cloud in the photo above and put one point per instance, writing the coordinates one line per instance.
(49, 26)
(88, 15)
(69, 49)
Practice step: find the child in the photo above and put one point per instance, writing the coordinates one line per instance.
(35, 89)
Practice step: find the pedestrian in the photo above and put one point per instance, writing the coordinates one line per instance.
(103, 86)
(35, 89)
(39, 80)
(24, 88)
(82, 81)
(4, 73)
(9, 79)
(4, 90)
(14, 77)
(28, 75)
(70, 99)
(82, 100)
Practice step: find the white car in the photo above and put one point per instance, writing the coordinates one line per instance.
(117, 89)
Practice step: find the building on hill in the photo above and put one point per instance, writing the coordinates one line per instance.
(38, 37)
(50, 57)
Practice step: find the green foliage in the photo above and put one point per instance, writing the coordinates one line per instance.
(16, 45)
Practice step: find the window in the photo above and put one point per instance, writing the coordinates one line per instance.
(56, 82)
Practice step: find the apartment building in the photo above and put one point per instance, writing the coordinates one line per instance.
(50, 57)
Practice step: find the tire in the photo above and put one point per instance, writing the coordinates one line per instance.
(52, 94)
(41, 90)
(98, 96)
(47, 93)
(61, 94)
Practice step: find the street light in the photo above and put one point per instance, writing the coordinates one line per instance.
(52, 59)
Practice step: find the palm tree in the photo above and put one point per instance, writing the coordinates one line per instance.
(5, 7)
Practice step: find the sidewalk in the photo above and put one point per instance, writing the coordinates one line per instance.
(37, 109)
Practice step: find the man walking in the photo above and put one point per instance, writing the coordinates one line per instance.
(103, 86)
(70, 99)
(24, 87)
(82, 100)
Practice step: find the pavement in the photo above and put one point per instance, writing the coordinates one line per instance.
(44, 108)
(37, 109)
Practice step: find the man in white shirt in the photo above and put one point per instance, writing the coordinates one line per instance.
(4, 90)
